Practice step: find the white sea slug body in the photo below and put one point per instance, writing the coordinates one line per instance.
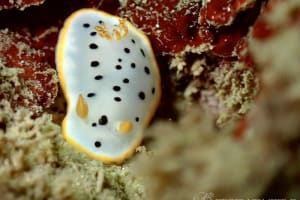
(109, 76)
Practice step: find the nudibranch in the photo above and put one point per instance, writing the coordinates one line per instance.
(111, 82)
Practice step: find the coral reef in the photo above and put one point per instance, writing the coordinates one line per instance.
(227, 126)
(156, 19)
(222, 13)
(207, 36)
(34, 86)
(19, 4)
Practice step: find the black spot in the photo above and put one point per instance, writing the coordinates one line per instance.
(93, 46)
(125, 80)
(127, 50)
(94, 124)
(137, 119)
(3, 126)
(86, 25)
(116, 88)
(143, 53)
(98, 77)
(147, 70)
(90, 94)
(133, 41)
(120, 60)
(95, 63)
(118, 67)
(93, 33)
(98, 144)
(103, 120)
(153, 90)
(118, 99)
(132, 65)
(100, 22)
(142, 95)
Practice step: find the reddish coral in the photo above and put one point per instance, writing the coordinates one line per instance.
(228, 39)
(110, 6)
(169, 28)
(242, 52)
(241, 128)
(38, 77)
(173, 26)
(45, 40)
(222, 12)
(8, 4)
(264, 29)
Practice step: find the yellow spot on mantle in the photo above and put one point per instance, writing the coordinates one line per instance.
(125, 127)
(82, 108)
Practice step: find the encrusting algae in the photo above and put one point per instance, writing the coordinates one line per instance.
(236, 131)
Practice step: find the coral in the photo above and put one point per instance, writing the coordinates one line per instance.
(156, 19)
(19, 4)
(198, 23)
(208, 36)
(222, 13)
(35, 85)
